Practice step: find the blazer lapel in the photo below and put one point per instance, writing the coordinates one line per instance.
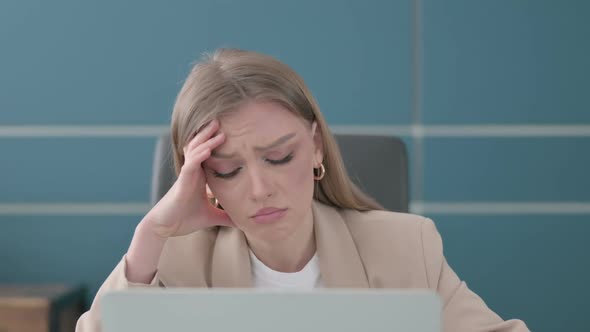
(230, 264)
(340, 262)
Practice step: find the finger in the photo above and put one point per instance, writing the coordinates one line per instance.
(203, 135)
(211, 143)
(194, 160)
(196, 155)
(201, 153)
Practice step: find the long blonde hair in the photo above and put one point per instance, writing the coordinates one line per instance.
(219, 83)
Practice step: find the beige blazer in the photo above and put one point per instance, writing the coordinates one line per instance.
(376, 249)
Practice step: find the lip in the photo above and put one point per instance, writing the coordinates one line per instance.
(268, 215)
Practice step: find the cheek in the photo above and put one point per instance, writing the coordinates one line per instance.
(221, 189)
(231, 195)
(301, 177)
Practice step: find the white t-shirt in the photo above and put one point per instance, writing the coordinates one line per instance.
(306, 279)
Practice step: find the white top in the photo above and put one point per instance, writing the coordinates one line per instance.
(306, 279)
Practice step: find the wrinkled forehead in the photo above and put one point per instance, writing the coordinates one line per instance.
(259, 125)
(261, 118)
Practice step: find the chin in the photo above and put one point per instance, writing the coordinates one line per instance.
(274, 232)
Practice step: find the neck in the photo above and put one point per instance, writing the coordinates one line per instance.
(289, 254)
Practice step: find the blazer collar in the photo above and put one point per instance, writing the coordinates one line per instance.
(230, 264)
(340, 263)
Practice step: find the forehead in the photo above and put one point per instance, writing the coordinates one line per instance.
(260, 120)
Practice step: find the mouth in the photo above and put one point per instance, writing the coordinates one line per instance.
(268, 215)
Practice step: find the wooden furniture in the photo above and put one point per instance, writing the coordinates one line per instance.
(40, 308)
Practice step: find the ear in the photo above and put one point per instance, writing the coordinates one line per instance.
(318, 143)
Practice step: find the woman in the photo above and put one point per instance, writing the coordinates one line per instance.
(248, 133)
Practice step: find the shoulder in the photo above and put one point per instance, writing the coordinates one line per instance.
(387, 225)
(414, 235)
(398, 249)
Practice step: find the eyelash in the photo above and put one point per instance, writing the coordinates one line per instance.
(281, 161)
(231, 174)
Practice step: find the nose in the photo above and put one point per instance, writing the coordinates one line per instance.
(260, 186)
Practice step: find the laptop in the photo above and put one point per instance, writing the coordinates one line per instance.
(212, 310)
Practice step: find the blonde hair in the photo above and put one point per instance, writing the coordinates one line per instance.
(219, 83)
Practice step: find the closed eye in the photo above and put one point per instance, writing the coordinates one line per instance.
(226, 175)
(233, 173)
(285, 160)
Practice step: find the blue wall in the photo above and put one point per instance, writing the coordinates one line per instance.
(375, 65)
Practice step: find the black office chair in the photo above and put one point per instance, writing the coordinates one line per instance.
(377, 164)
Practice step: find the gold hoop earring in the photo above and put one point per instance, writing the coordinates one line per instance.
(216, 203)
(322, 171)
(212, 199)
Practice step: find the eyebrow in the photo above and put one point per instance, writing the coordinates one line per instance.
(274, 144)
